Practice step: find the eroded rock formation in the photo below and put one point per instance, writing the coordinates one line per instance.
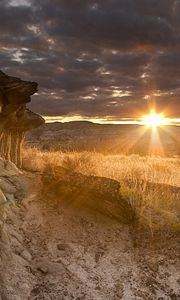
(15, 117)
(98, 194)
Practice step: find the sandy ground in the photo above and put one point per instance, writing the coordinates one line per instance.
(59, 252)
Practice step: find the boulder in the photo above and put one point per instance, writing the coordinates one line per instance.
(96, 193)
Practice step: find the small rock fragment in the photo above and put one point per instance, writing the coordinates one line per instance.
(10, 198)
(42, 269)
(26, 255)
(61, 247)
(7, 187)
(3, 199)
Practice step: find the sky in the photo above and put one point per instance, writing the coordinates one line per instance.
(104, 59)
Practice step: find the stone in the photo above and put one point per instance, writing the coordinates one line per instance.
(6, 187)
(17, 236)
(62, 247)
(100, 194)
(26, 255)
(7, 168)
(10, 198)
(43, 269)
(3, 199)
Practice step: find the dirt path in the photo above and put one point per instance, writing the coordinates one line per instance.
(64, 253)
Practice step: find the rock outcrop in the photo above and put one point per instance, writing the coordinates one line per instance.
(12, 187)
(99, 194)
(15, 117)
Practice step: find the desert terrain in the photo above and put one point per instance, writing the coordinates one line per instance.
(58, 243)
(87, 211)
(108, 139)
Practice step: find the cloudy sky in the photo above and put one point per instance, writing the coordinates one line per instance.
(107, 59)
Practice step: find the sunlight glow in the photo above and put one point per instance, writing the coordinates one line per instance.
(110, 120)
(154, 120)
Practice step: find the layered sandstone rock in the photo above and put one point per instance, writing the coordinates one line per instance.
(15, 118)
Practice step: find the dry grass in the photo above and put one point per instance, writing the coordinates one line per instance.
(119, 167)
(157, 206)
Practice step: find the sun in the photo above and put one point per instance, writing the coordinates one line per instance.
(154, 120)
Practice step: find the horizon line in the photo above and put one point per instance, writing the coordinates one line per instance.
(110, 121)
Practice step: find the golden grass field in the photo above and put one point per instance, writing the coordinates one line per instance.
(150, 184)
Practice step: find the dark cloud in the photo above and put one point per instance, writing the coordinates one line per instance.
(94, 58)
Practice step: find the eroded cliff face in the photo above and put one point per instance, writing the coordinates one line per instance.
(15, 118)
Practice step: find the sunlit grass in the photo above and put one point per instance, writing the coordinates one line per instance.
(119, 167)
(145, 181)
